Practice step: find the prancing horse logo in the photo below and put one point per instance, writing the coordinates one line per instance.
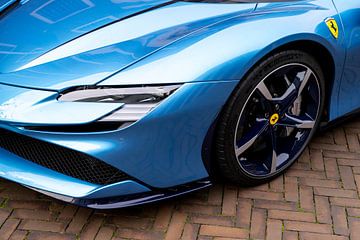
(333, 27)
(274, 119)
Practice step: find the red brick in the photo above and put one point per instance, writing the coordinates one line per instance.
(339, 136)
(349, 162)
(261, 187)
(331, 168)
(289, 235)
(130, 221)
(356, 170)
(306, 198)
(347, 177)
(260, 194)
(105, 233)
(288, 215)
(327, 138)
(305, 174)
(218, 231)
(345, 155)
(79, 221)
(317, 236)
(331, 192)
(354, 230)
(201, 209)
(331, 147)
(339, 220)
(274, 229)
(277, 185)
(29, 204)
(258, 224)
(44, 226)
(353, 142)
(18, 193)
(31, 214)
(308, 227)
(215, 195)
(317, 161)
(229, 202)
(56, 206)
(138, 234)
(92, 227)
(322, 209)
(280, 205)
(68, 212)
(357, 180)
(320, 183)
(163, 217)
(291, 189)
(195, 198)
(211, 238)
(346, 202)
(4, 214)
(221, 238)
(305, 157)
(212, 220)
(354, 212)
(8, 228)
(301, 166)
(176, 226)
(243, 213)
(50, 236)
(190, 231)
(18, 235)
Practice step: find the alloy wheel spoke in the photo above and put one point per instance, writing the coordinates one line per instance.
(274, 155)
(304, 122)
(273, 162)
(248, 140)
(304, 78)
(264, 91)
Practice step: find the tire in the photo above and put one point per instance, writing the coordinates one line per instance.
(270, 118)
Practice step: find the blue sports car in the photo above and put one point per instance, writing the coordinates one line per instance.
(107, 104)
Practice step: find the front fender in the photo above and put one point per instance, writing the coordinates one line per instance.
(228, 49)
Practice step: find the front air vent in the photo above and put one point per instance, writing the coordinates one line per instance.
(60, 159)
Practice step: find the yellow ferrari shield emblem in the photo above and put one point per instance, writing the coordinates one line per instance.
(333, 27)
(274, 119)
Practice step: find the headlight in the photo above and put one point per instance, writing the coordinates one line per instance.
(138, 101)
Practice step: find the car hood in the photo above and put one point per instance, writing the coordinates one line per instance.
(57, 44)
(36, 27)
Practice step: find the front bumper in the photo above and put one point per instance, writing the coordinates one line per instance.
(158, 152)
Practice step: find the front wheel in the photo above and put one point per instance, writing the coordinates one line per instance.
(270, 118)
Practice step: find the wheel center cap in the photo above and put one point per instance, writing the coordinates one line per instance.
(274, 119)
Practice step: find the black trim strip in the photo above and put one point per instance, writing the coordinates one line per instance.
(131, 199)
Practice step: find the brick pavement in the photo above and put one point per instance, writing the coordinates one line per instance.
(318, 198)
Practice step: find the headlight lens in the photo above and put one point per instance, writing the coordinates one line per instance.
(138, 101)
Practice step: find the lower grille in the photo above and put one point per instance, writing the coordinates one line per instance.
(60, 159)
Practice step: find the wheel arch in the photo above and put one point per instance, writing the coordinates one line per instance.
(317, 47)
(323, 57)
(319, 51)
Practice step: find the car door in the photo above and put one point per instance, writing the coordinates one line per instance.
(349, 95)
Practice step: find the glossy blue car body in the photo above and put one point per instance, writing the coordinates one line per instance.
(48, 47)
